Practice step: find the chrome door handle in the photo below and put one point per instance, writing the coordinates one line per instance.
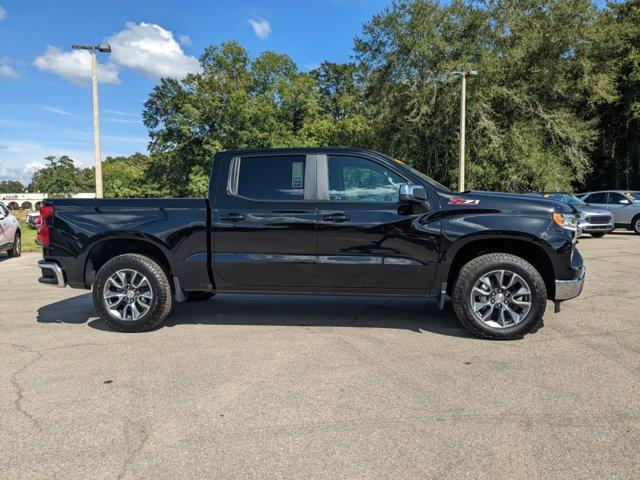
(336, 218)
(232, 217)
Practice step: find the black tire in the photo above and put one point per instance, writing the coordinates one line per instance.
(635, 225)
(480, 266)
(198, 296)
(17, 246)
(597, 235)
(160, 305)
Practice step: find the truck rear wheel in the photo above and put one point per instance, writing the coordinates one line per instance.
(131, 293)
(499, 296)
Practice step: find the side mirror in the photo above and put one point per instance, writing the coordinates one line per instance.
(410, 193)
(625, 202)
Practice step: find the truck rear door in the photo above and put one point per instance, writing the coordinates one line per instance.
(265, 222)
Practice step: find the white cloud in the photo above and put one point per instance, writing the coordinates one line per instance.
(261, 28)
(75, 66)
(3, 14)
(6, 70)
(122, 120)
(185, 40)
(59, 111)
(4, 146)
(146, 48)
(32, 167)
(151, 50)
(120, 112)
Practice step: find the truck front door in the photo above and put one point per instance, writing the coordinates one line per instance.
(367, 239)
(265, 223)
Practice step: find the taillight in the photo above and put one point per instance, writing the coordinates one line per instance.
(42, 228)
(46, 211)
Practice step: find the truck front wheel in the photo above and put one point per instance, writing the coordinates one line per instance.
(131, 293)
(499, 296)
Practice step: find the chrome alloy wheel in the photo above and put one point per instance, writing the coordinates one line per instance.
(18, 244)
(127, 295)
(501, 299)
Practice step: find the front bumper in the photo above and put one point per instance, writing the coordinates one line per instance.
(587, 227)
(567, 289)
(52, 274)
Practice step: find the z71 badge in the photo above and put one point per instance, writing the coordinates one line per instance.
(463, 202)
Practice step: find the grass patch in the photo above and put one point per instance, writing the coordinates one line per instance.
(28, 233)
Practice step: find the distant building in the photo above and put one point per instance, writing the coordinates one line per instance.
(32, 201)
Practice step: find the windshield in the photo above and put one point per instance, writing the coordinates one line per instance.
(565, 198)
(426, 178)
(634, 195)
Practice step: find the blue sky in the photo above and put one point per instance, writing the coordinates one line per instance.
(45, 97)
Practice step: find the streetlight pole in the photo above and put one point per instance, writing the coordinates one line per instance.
(463, 122)
(96, 112)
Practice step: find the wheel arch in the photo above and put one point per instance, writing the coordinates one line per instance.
(105, 249)
(529, 250)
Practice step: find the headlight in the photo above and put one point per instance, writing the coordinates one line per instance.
(566, 221)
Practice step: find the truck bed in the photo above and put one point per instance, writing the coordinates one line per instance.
(174, 229)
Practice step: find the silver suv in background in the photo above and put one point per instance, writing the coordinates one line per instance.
(624, 206)
(594, 221)
(9, 232)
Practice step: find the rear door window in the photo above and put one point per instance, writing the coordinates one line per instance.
(275, 177)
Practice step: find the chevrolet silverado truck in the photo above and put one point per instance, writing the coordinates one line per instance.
(323, 221)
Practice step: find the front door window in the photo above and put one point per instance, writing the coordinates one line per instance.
(354, 179)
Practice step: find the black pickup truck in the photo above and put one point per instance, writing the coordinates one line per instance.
(317, 221)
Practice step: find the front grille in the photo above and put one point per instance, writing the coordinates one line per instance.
(598, 219)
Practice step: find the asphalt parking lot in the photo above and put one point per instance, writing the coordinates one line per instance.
(298, 387)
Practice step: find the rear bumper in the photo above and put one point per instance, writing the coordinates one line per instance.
(52, 274)
(567, 289)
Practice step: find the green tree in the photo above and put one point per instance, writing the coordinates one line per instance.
(11, 186)
(239, 102)
(60, 178)
(526, 125)
(615, 47)
(556, 104)
(128, 177)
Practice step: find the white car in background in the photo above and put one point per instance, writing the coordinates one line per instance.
(32, 219)
(9, 232)
(622, 203)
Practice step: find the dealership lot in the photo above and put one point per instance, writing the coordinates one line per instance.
(299, 387)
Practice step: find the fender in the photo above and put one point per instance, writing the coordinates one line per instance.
(461, 229)
(98, 240)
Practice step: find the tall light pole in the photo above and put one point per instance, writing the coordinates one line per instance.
(105, 48)
(463, 120)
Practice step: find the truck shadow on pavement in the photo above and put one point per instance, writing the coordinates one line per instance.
(417, 315)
